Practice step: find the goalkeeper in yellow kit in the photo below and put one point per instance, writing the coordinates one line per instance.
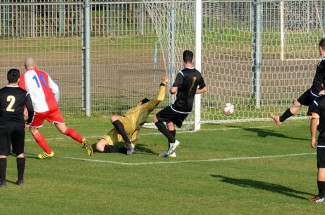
(127, 126)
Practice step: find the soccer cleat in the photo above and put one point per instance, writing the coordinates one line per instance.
(276, 119)
(172, 147)
(44, 155)
(130, 149)
(20, 182)
(317, 199)
(88, 147)
(165, 155)
(3, 184)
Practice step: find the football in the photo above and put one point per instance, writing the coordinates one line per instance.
(228, 109)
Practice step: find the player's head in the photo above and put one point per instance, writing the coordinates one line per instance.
(30, 63)
(13, 76)
(187, 56)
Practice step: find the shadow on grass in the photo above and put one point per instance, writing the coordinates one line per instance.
(139, 149)
(262, 132)
(260, 185)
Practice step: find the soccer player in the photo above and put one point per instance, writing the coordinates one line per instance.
(45, 96)
(188, 83)
(129, 124)
(308, 96)
(12, 124)
(317, 112)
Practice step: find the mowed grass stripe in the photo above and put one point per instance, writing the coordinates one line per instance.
(180, 161)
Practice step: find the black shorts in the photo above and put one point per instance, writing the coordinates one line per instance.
(169, 115)
(12, 134)
(306, 98)
(320, 157)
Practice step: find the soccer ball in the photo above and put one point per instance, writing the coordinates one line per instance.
(228, 109)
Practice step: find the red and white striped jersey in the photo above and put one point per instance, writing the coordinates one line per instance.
(42, 89)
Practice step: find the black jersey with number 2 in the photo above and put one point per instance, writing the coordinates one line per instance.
(12, 102)
(187, 81)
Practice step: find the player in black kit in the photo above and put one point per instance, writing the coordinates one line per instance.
(188, 82)
(317, 112)
(309, 95)
(13, 99)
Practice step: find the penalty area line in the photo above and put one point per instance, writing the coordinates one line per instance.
(185, 161)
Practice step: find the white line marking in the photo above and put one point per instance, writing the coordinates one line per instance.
(180, 131)
(185, 161)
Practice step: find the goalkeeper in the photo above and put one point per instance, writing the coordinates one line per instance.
(128, 125)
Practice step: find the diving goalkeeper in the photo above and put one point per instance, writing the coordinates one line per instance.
(128, 125)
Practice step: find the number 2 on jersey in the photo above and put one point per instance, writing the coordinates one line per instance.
(11, 100)
(42, 80)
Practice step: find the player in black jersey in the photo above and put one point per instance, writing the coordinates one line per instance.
(317, 122)
(13, 99)
(307, 97)
(188, 83)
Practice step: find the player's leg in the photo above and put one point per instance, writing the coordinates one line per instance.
(106, 144)
(116, 121)
(4, 151)
(56, 118)
(3, 170)
(320, 197)
(162, 128)
(170, 116)
(18, 148)
(305, 99)
(37, 122)
(20, 160)
(103, 146)
(40, 140)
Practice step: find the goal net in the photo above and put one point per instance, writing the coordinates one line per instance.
(290, 34)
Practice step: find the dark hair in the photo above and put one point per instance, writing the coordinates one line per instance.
(187, 56)
(322, 43)
(13, 76)
(145, 100)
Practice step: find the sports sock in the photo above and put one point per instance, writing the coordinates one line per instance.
(120, 128)
(110, 149)
(321, 188)
(73, 134)
(40, 140)
(285, 115)
(3, 169)
(20, 168)
(162, 128)
(173, 132)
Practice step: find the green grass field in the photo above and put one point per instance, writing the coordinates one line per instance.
(237, 168)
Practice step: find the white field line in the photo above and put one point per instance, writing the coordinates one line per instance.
(178, 131)
(185, 161)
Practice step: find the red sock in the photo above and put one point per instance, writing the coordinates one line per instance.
(40, 140)
(73, 134)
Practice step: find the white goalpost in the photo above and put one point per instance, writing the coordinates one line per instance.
(247, 51)
(198, 60)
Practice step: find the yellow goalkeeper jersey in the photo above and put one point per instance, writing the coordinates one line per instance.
(134, 119)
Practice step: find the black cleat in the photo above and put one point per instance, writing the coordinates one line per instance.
(20, 182)
(3, 184)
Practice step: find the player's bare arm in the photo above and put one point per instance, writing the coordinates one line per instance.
(200, 91)
(313, 129)
(173, 90)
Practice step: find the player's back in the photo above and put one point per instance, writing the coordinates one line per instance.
(41, 87)
(187, 89)
(12, 101)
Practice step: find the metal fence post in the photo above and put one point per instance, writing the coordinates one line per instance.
(86, 58)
